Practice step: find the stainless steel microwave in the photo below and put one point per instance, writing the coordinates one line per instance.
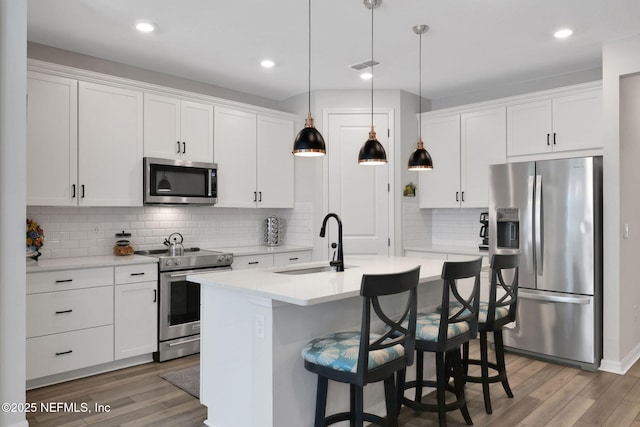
(176, 182)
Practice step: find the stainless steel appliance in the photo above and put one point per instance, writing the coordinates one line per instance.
(179, 299)
(178, 182)
(551, 213)
(484, 231)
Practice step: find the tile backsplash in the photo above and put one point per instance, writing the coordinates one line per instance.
(88, 231)
(440, 227)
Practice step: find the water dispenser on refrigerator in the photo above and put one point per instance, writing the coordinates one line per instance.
(508, 228)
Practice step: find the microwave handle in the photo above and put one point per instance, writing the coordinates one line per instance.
(209, 183)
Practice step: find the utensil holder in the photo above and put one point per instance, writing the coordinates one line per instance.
(273, 231)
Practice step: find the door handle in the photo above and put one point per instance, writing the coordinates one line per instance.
(554, 138)
(184, 147)
(255, 196)
(260, 193)
(82, 188)
(155, 295)
(178, 150)
(73, 186)
(462, 196)
(64, 311)
(457, 192)
(539, 223)
(548, 139)
(555, 298)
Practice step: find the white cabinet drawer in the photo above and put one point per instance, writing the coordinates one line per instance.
(252, 261)
(136, 273)
(52, 354)
(287, 258)
(54, 312)
(69, 279)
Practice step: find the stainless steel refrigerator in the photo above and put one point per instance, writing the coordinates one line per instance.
(551, 213)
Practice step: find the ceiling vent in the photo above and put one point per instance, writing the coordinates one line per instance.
(362, 65)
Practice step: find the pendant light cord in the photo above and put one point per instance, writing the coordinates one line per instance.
(309, 63)
(372, 7)
(420, 88)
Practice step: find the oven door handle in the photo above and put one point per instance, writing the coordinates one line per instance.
(172, 344)
(203, 271)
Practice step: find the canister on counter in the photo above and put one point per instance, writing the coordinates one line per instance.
(123, 244)
(273, 231)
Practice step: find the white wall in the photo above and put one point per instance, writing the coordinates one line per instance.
(98, 65)
(13, 139)
(621, 341)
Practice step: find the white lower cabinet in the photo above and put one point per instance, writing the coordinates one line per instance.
(135, 319)
(67, 351)
(77, 318)
(278, 259)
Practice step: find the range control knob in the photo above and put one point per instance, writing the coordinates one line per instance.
(229, 258)
(220, 258)
(178, 261)
(168, 263)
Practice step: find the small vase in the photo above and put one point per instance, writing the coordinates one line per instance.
(33, 256)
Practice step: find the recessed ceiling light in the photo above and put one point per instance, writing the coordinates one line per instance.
(563, 33)
(267, 63)
(145, 27)
(366, 76)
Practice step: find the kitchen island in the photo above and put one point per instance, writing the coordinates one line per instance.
(256, 322)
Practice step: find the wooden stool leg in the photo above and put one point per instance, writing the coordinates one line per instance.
(499, 346)
(419, 375)
(465, 357)
(484, 367)
(442, 377)
(402, 375)
(321, 401)
(359, 420)
(391, 401)
(459, 384)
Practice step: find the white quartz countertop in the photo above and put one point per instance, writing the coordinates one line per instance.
(87, 262)
(315, 288)
(259, 250)
(449, 250)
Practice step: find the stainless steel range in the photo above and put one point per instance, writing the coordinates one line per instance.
(179, 299)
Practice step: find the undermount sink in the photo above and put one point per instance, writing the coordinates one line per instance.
(310, 270)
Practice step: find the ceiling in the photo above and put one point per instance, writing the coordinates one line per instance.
(472, 44)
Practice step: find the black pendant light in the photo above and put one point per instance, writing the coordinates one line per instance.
(309, 142)
(372, 152)
(420, 159)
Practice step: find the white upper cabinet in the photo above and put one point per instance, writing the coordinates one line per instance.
(440, 187)
(566, 122)
(177, 129)
(275, 164)
(110, 146)
(255, 164)
(462, 147)
(482, 143)
(52, 140)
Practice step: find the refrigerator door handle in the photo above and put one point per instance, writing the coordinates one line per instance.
(572, 299)
(539, 223)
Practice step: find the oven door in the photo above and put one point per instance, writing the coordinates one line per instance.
(179, 310)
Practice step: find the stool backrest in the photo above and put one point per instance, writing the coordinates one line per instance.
(462, 308)
(373, 287)
(508, 289)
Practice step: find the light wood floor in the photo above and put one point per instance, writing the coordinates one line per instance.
(545, 395)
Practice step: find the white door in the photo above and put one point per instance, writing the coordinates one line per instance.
(274, 161)
(358, 194)
(197, 131)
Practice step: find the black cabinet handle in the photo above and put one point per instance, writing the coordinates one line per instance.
(260, 199)
(137, 274)
(255, 196)
(82, 187)
(463, 196)
(178, 151)
(548, 139)
(64, 311)
(155, 295)
(64, 352)
(254, 262)
(293, 259)
(73, 186)
(457, 192)
(184, 147)
(64, 281)
(554, 138)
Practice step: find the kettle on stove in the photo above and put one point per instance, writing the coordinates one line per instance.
(175, 246)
